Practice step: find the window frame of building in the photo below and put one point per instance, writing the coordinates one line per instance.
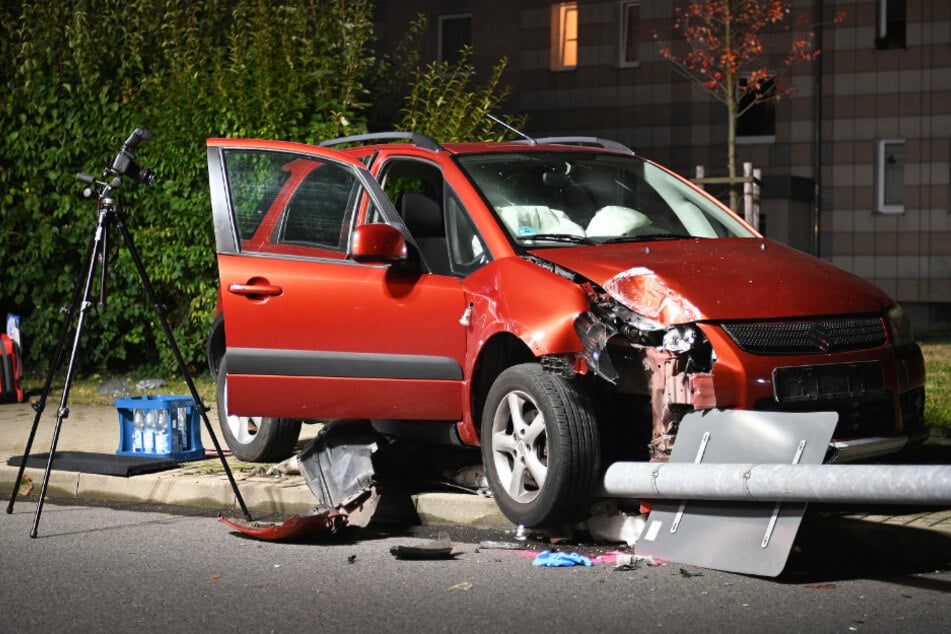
(891, 24)
(885, 194)
(564, 36)
(447, 51)
(627, 41)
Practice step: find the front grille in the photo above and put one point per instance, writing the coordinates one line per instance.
(807, 337)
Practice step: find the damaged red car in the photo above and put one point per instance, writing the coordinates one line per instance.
(561, 303)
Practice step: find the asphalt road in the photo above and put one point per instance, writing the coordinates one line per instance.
(100, 569)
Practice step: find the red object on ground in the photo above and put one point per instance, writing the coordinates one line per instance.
(296, 527)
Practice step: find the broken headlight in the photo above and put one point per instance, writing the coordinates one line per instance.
(594, 334)
(606, 319)
(679, 339)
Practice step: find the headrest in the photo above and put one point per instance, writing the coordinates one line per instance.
(422, 215)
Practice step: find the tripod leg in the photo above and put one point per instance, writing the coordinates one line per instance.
(57, 359)
(63, 410)
(160, 311)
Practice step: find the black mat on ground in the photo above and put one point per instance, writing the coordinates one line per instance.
(103, 463)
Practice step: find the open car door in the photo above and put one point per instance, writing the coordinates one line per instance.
(309, 332)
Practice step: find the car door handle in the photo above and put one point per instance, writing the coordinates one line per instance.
(255, 290)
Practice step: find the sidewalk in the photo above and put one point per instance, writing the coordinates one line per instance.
(203, 483)
(200, 483)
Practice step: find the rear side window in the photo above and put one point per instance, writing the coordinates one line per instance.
(316, 211)
(282, 199)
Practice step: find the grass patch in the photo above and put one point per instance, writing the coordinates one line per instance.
(84, 389)
(937, 351)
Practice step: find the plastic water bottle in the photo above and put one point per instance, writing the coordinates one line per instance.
(182, 429)
(151, 424)
(162, 444)
(138, 431)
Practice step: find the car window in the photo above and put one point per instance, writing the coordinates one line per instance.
(317, 208)
(571, 197)
(466, 248)
(254, 181)
(281, 198)
(446, 236)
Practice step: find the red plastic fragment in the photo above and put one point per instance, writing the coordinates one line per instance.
(296, 527)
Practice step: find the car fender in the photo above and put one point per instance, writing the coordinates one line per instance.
(516, 296)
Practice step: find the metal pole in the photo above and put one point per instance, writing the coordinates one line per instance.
(817, 115)
(883, 484)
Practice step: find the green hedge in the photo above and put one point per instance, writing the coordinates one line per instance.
(80, 76)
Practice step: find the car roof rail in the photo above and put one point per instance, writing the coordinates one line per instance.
(607, 144)
(423, 141)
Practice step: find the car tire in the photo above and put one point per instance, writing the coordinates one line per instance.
(540, 426)
(254, 438)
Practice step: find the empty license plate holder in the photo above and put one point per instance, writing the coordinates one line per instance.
(863, 379)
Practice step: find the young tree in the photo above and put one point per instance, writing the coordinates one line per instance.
(726, 49)
(445, 103)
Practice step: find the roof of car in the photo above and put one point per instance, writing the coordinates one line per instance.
(414, 139)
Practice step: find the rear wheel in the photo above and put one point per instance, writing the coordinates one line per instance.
(254, 438)
(540, 446)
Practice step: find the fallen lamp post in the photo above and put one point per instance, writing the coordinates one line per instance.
(831, 483)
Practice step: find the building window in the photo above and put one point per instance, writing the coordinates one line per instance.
(757, 116)
(564, 36)
(629, 23)
(890, 27)
(890, 176)
(454, 33)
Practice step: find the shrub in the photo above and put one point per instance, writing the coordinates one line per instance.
(81, 75)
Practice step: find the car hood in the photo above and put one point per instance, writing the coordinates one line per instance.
(719, 279)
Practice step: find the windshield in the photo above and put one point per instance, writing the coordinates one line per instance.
(564, 198)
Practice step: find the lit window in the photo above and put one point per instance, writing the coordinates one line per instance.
(455, 33)
(629, 22)
(564, 35)
(890, 176)
(890, 28)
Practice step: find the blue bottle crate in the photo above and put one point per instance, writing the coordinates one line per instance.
(160, 427)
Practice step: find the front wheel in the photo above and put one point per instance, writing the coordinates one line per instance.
(254, 438)
(540, 446)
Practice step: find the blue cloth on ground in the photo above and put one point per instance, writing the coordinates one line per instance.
(551, 559)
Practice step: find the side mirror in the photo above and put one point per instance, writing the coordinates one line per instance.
(377, 244)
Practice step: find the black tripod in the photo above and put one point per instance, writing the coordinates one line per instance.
(108, 212)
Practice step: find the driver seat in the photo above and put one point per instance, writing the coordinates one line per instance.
(424, 218)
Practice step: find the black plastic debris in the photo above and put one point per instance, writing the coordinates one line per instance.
(439, 548)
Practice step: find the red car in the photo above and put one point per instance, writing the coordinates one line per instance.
(562, 303)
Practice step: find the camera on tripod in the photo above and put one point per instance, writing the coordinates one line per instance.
(124, 163)
(108, 212)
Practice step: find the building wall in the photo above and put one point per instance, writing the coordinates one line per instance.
(867, 95)
(904, 93)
